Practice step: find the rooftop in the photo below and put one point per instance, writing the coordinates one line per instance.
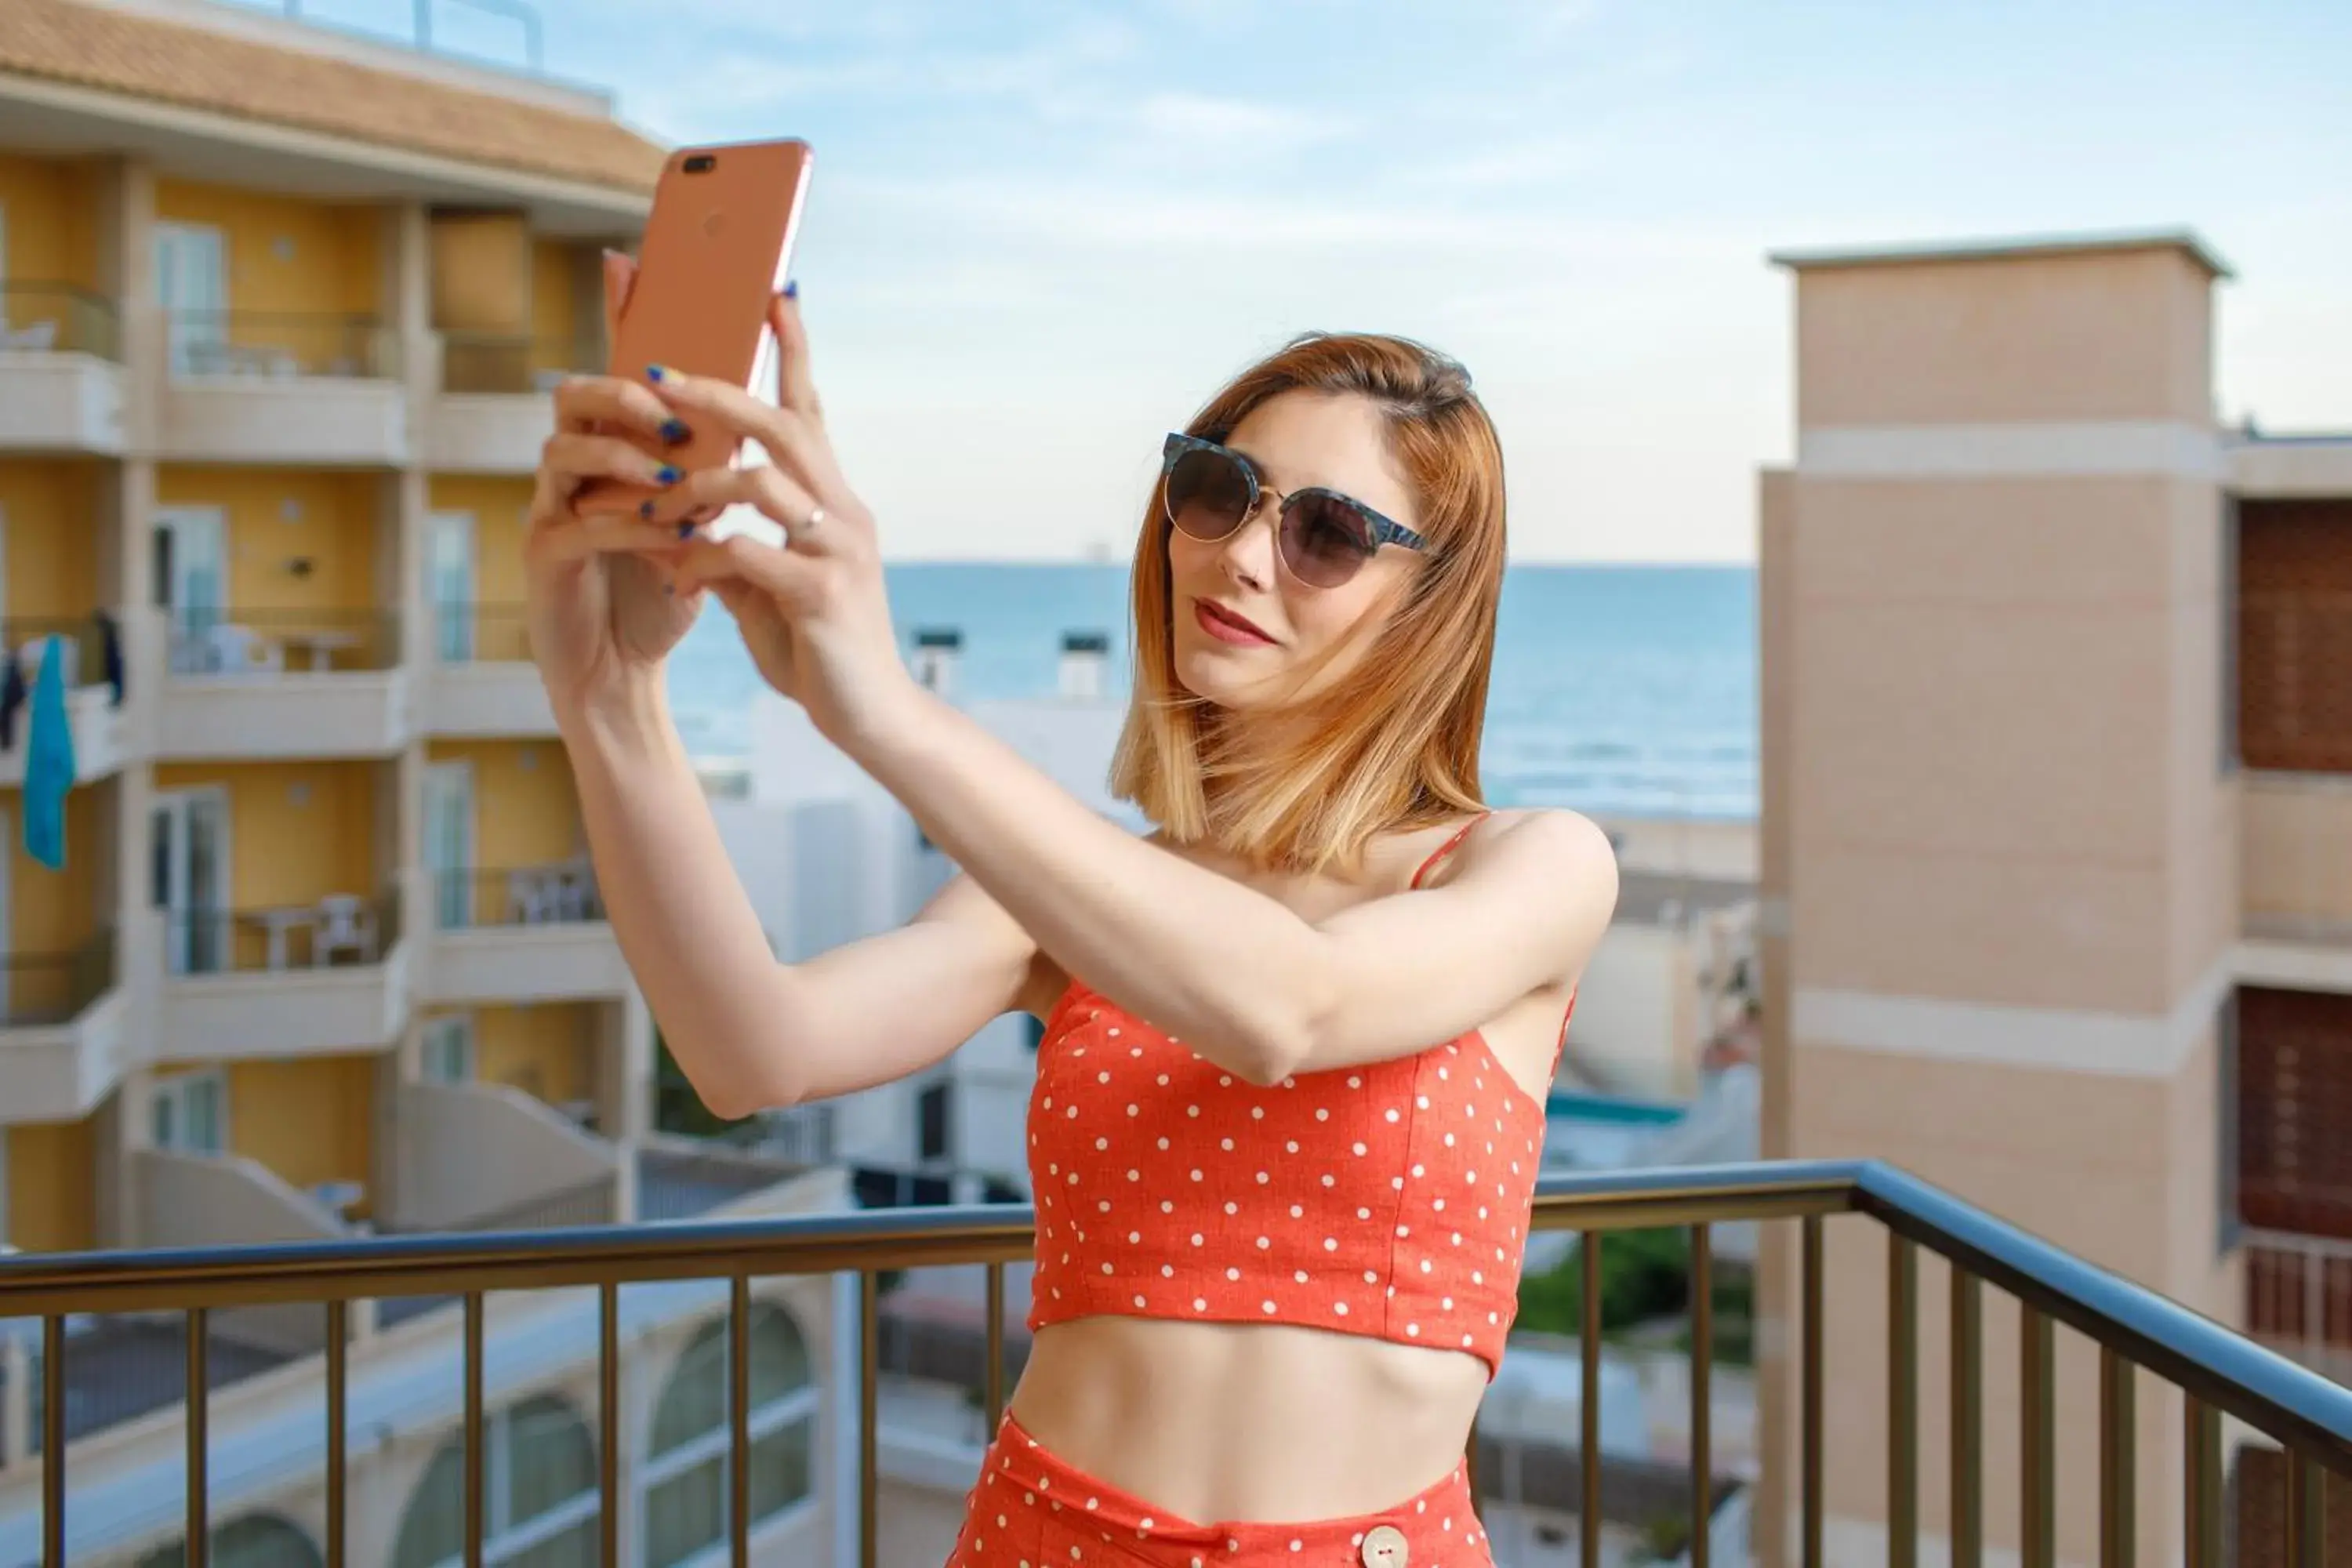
(2020, 248)
(53, 54)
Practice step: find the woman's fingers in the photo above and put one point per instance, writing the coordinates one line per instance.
(796, 382)
(576, 455)
(779, 574)
(620, 277)
(775, 494)
(579, 538)
(791, 439)
(585, 402)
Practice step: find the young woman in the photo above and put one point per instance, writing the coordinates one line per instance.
(1290, 1097)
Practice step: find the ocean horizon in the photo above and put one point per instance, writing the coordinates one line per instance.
(1618, 688)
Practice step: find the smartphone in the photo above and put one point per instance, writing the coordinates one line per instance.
(717, 245)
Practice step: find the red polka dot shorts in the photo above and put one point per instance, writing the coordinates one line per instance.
(1034, 1509)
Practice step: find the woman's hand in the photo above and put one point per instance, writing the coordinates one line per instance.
(814, 614)
(602, 611)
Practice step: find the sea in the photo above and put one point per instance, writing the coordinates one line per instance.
(1625, 690)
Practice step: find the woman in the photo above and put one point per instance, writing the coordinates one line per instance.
(1290, 1095)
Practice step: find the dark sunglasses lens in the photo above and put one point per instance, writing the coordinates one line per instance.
(1325, 539)
(1207, 494)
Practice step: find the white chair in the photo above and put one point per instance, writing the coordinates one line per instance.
(531, 897)
(346, 924)
(241, 650)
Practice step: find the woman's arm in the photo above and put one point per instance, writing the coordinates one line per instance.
(752, 1033)
(1234, 974)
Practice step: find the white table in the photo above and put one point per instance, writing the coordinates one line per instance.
(276, 922)
(322, 645)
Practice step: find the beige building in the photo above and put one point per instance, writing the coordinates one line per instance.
(2057, 842)
(279, 310)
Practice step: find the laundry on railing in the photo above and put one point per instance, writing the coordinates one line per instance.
(49, 761)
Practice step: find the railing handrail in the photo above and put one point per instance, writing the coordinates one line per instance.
(2224, 1369)
(232, 613)
(349, 318)
(80, 292)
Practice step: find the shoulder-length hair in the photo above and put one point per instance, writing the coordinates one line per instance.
(1393, 744)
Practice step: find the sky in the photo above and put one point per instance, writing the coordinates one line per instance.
(1041, 234)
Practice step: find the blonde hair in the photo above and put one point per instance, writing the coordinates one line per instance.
(1307, 786)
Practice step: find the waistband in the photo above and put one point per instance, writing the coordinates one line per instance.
(1441, 1511)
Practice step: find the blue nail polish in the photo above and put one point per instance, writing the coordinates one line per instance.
(685, 528)
(674, 431)
(670, 588)
(655, 373)
(792, 289)
(668, 475)
(646, 510)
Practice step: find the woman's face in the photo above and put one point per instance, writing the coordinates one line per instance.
(1295, 440)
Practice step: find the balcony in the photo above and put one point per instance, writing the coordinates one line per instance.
(483, 1157)
(254, 684)
(303, 389)
(495, 406)
(721, 1273)
(61, 1031)
(282, 981)
(533, 933)
(101, 739)
(60, 371)
(482, 681)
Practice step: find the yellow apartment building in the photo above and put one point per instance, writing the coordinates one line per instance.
(2056, 846)
(280, 309)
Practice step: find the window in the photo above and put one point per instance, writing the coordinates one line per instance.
(448, 1048)
(2225, 1099)
(931, 1117)
(190, 1113)
(538, 1494)
(2231, 665)
(254, 1541)
(686, 1472)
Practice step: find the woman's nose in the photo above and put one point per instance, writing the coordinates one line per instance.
(1249, 550)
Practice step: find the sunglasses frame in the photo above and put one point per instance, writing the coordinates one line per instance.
(1385, 530)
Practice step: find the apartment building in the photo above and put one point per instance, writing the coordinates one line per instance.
(280, 309)
(2057, 840)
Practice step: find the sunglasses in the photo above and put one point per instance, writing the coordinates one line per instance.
(1326, 537)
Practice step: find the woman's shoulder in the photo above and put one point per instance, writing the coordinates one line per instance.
(1550, 836)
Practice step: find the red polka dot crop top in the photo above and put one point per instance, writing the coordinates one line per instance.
(1389, 1199)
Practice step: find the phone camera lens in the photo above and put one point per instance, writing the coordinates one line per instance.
(700, 162)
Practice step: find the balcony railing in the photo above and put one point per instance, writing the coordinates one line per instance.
(2221, 1374)
(282, 643)
(564, 893)
(50, 988)
(331, 929)
(56, 318)
(84, 638)
(494, 362)
(280, 346)
(480, 633)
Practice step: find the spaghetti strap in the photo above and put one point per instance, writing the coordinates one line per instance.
(1447, 848)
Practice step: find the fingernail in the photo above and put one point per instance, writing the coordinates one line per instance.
(674, 431)
(669, 588)
(685, 528)
(655, 373)
(792, 289)
(646, 510)
(668, 475)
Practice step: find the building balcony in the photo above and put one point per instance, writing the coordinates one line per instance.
(252, 684)
(62, 1043)
(282, 981)
(529, 1327)
(494, 405)
(101, 734)
(298, 389)
(533, 933)
(483, 1157)
(481, 681)
(2272, 467)
(61, 378)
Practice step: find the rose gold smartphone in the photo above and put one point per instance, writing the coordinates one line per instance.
(717, 245)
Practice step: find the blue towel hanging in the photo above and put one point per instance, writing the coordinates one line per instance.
(48, 761)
